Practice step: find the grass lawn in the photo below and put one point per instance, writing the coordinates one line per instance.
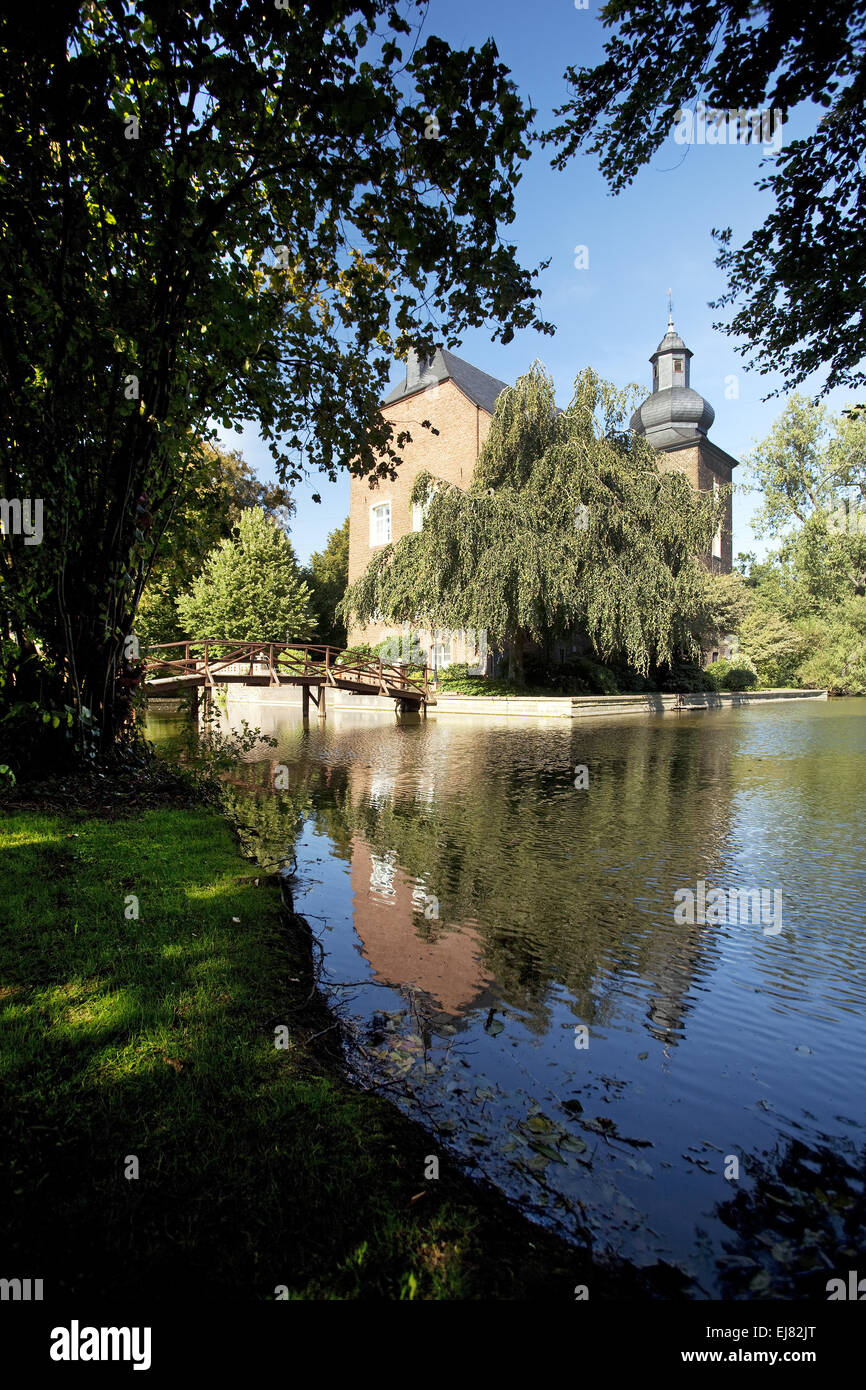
(154, 1038)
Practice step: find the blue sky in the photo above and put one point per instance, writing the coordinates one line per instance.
(653, 235)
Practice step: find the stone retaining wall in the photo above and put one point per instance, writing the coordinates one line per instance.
(523, 706)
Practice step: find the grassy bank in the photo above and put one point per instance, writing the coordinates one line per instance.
(153, 1037)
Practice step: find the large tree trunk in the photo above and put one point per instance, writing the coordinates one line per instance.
(515, 659)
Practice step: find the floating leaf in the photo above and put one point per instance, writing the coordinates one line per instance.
(573, 1145)
(546, 1150)
(540, 1124)
(573, 1107)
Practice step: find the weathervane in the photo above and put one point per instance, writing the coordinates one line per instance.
(670, 309)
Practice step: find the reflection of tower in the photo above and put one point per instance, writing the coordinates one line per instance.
(672, 980)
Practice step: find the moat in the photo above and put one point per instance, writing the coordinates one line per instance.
(501, 941)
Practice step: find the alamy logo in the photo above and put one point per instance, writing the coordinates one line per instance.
(855, 1291)
(21, 1290)
(22, 518)
(738, 905)
(707, 125)
(76, 1343)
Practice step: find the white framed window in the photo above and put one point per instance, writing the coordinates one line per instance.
(382, 871)
(380, 523)
(440, 652)
(419, 510)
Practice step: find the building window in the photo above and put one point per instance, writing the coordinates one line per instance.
(440, 651)
(382, 871)
(419, 511)
(678, 364)
(380, 524)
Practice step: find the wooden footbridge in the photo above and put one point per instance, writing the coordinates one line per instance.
(171, 668)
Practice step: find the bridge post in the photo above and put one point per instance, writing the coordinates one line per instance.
(305, 703)
(322, 710)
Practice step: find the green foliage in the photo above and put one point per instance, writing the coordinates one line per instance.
(836, 650)
(458, 684)
(220, 214)
(217, 487)
(328, 578)
(34, 738)
(732, 673)
(805, 621)
(799, 612)
(578, 676)
(774, 645)
(567, 523)
(800, 307)
(685, 678)
(727, 602)
(351, 656)
(250, 589)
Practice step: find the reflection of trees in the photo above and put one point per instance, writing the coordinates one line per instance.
(489, 842)
(268, 821)
(566, 888)
(798, 1219)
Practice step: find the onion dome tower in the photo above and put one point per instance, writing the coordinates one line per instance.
(676, 421)
(674, 413)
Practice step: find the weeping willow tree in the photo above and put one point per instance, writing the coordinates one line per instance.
(568, 524)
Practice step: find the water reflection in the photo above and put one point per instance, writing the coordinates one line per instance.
(505, 948)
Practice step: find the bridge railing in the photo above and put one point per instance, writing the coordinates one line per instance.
(305, 661)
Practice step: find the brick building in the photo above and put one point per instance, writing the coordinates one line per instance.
(459, 400)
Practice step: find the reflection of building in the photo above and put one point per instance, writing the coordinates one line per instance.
(405, 946)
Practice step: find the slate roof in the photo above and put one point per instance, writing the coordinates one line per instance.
(481, 389)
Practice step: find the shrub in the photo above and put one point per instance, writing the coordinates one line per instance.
(35, 740)
(685, 678)
(579, 676)
(736, 673)
(775, 646)
(457, 671)
(352, 655)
